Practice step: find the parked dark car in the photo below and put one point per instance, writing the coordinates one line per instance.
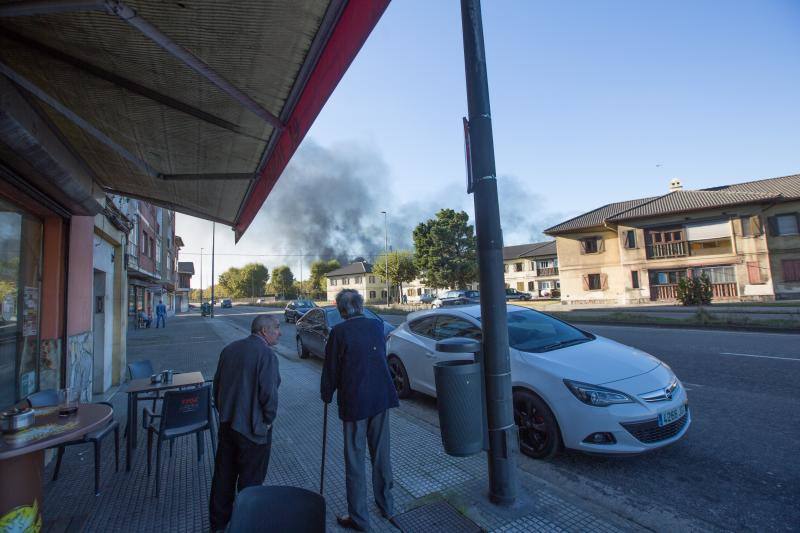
(227, 303)
(314, 326)
(457, 297)
(296, 309)
(514, 294)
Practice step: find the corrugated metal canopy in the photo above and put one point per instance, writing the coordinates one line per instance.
(196, 137)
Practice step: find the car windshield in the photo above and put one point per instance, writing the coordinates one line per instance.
(304, 304)
(529, 331)
(472, 294)
(334, 317)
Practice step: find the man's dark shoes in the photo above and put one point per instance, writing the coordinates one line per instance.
(347, 522)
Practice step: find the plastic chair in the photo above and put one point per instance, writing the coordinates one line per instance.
(278, 508)
(183, 412)
(50, 397)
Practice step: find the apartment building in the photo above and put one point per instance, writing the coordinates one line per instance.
(185, 273)
(745, 237)
(358, 276)
(532, 268)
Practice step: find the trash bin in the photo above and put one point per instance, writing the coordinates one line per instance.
(459, 401)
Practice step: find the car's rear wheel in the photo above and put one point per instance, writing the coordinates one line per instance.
(399, 377)
(302, 351)
(539, 436)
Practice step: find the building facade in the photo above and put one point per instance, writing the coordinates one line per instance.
(185, 273)
(744, 237)
(151, 256)
(532, 268)
(358, 276)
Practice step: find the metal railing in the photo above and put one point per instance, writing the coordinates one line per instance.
(718, 291)
(549, 271)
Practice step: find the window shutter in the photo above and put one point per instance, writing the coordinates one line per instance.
(772, 222)
(601, 245)
(755, 224)
(585, 282)
(583, 246)
(623, 239)
(604, 281)
(753, 272)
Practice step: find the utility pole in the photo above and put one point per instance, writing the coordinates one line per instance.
(201, 276)
(503, 434)
(213, 234)
(301, 274)
(386, 254)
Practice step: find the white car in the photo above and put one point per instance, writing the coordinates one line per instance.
(571, 388)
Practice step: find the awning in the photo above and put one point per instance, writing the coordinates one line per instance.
(196, 106)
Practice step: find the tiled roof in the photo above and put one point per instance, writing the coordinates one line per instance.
(534, 249)
(597, 217)
(783, 188)
(358, 267)
(186, 267)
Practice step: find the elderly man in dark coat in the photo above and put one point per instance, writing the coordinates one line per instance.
(356, 367)
(246, 396)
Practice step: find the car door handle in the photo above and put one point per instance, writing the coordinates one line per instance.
(430, 354)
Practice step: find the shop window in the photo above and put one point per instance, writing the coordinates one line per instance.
(20, 303)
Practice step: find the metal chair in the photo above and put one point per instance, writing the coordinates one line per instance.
(183, 412)
(278, 508)
(50, 397)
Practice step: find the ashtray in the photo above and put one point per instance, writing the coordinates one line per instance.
(155, 378)
(16, 419)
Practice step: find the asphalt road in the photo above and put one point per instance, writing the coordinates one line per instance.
(738, 468)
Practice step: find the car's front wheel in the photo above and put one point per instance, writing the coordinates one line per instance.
(302, 351)
(399, 377)
(539, 436)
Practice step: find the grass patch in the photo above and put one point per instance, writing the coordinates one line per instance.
(701, 318)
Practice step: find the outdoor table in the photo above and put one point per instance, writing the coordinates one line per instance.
(138, 386)
(22, 460)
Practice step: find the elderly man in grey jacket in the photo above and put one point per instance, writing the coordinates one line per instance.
(246, 395)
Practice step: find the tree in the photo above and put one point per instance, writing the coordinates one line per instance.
(446, 250)
(318, 271)
(401, 268)
(250, 280)
(283, 282)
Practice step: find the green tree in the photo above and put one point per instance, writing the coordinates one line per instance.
(250, 280)
(446, 250)
(318, 271)
(283, 282)
(401, 268)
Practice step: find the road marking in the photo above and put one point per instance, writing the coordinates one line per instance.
(762, 356)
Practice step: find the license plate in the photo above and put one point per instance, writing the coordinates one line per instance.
(671, 415)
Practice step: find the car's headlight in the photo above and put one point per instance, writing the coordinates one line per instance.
(596, 395)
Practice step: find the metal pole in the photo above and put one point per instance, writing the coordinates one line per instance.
(201, 277)
(386, 253)
(213, 233)
(503, 436)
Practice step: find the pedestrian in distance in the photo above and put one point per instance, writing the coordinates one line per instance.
(161, 314)
(246, 396)
(144, 318)
(356, 369)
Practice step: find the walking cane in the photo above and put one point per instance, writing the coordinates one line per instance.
(324, 445)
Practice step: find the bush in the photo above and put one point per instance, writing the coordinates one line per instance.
(694, 291)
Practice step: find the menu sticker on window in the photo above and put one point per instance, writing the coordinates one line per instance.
(30, 312)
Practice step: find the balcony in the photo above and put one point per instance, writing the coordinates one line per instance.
(549, 271)
(666, 250)
(719, 291)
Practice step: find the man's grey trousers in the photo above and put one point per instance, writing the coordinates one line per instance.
(372, 432)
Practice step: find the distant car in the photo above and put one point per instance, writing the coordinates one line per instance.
(296, 309)
(427, 298)
(226, 303)
(514, 294)
(570, 388)
(456, 297)
(313, 329)
(260, 301)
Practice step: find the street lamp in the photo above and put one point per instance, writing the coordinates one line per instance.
(386, 254)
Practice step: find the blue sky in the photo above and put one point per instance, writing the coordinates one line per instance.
(588, 99)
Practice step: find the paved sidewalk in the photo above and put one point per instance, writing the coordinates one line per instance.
(433, 491)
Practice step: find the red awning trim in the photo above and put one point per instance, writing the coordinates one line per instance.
(354, 26)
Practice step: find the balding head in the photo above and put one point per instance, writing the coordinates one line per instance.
(262, 322)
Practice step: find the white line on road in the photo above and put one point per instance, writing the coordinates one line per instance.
(762, 356)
